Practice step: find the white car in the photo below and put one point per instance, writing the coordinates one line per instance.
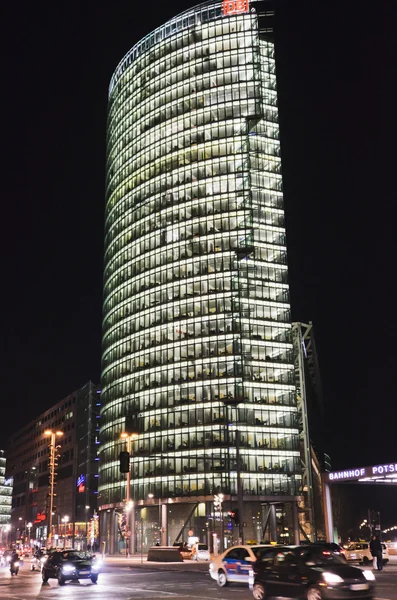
(360, 552)
(235, 564)
(200, 552)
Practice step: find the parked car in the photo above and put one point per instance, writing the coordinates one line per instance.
(235, 564)
(360, 552)
(184, 549)
(200, 552)
(309, 573)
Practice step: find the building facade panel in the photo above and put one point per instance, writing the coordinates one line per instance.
(196, 329)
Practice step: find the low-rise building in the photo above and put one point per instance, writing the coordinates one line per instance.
(75, 422)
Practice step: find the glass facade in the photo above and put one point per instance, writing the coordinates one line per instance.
(5, 501)
(196, 326)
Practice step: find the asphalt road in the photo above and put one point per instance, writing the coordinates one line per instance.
(122, 581)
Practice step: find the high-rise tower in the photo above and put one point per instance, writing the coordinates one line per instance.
(197, 349)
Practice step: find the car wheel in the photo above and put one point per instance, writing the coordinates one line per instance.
(259, 592)
(44, 576)
(222, 579)
(94, 578)
(61, 580)
(365, 561)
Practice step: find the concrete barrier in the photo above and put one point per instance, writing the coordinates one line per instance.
(164, 554)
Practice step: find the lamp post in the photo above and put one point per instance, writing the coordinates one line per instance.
(8, 529)
(65, 520)
(218, 500)
(128, 437)
(53, 435)
(29, 527)
(19, 528)
(87, 508)
(151, 497)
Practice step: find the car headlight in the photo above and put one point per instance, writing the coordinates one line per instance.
(43, 559)
(67, 568)
(369, 576)
(16, 564)
(332, 578)
(96, 566)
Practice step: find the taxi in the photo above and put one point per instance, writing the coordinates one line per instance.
(235, 564)
(360, 552)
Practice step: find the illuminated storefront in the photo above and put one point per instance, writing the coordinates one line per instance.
(196, 301)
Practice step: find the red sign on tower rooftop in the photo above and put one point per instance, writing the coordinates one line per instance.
(235, 7)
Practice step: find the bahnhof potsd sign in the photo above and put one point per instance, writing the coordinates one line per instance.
(374, 474)
(383, 474)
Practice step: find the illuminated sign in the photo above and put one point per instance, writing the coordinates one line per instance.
(80, 480)
(362, 472)
(235, 7)
(40, 517)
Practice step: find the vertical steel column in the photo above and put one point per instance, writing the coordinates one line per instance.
(298, 342)
(164, 524)
(273, 523)
(327, 503)
(295, 521)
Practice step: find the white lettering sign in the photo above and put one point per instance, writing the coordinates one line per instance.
(381, 469)
(351, 474)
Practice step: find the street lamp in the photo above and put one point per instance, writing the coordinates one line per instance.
(65, 520)
(151, 497)
(128, 437)
(8, 529)
(53, 435)
(29, 527)
(218, 500)
(87, 508)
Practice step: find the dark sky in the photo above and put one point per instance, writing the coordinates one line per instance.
(336, 78)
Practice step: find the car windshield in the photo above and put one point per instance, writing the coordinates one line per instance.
(74, 555)
(353, 547)
(202, 547)
(322, 558)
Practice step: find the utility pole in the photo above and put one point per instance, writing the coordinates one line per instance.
(128, 437)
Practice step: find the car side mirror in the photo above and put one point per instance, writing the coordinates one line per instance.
(250, 559)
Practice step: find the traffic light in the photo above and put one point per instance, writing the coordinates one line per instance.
(124, 462)
(234, 515)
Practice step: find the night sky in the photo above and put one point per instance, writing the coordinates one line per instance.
(336, 102)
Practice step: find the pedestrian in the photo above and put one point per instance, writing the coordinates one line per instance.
(375, 547)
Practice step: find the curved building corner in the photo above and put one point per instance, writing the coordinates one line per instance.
(197, 350)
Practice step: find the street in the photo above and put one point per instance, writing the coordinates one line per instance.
(131, 580)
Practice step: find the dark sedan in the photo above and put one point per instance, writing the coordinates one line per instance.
(70, 565)
(309, 573)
